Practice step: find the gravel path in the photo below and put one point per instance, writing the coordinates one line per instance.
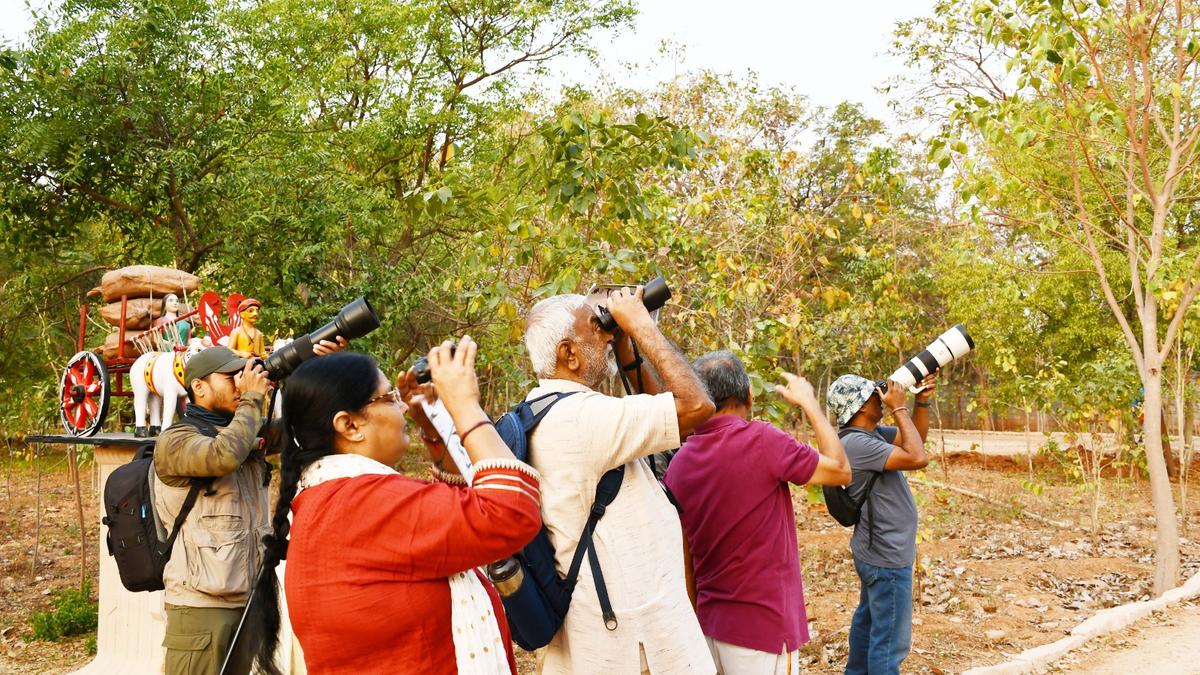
(1167, 643)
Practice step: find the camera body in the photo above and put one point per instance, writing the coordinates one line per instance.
(420, 367)
(655, 294)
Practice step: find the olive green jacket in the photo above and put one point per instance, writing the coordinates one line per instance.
(217, 553)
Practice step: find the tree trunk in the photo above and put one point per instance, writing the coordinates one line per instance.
(1028, 441)
(984, 401)
(1185, 464)
(1166, 536)
(1189, 420)
(1169, 456)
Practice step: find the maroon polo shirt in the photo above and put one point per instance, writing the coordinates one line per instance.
(731, 480)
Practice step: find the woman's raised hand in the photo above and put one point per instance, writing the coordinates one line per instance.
(417, 396)
(453, 371)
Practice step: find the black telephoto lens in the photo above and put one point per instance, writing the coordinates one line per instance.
(354, 321)
(655, 293)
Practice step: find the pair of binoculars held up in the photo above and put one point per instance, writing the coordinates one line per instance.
(655, 294)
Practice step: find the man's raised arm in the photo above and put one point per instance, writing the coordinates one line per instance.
(692, 404)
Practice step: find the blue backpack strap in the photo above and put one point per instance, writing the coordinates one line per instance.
(515, 425)
(606, 492)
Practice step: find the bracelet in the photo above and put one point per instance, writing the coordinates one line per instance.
(922, 404)
(634, 364)
(462, 438)
(896, 410)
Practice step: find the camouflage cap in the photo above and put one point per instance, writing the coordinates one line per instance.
(212, 360)
(847, 395)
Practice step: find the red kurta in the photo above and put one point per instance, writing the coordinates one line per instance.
(368, 562)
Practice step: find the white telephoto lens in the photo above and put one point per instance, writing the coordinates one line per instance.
(904, 377)
(957, 341)
(941, 352)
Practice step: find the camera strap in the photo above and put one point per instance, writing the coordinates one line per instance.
(635, 365)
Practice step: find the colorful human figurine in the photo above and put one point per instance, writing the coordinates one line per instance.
(247, 340)
(169, 313)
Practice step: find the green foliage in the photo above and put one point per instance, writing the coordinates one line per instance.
(74, 613)
(305, 152)
(291, 150)
(1034, 487)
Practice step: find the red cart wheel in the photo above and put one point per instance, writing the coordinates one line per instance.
(84, 394)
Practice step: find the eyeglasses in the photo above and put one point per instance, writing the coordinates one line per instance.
(394, 394)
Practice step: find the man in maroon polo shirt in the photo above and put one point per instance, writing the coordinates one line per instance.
(731, 480)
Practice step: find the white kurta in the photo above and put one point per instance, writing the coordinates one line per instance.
(639, 540)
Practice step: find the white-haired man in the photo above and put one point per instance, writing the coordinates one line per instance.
(639, 543)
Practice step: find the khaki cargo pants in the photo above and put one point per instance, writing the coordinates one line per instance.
(197, 639)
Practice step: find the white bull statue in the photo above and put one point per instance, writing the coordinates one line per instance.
(157, 380)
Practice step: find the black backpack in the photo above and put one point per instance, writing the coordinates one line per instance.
(134, 536)
(844, 508)
(537, 608)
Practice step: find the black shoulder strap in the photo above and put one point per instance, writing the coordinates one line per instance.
(202, 426)
(870, 513)
(864, 499)
(606, 492)
(188, 503)
(867, 491)
(197, 484)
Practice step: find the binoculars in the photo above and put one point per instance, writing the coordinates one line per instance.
(420, 367)
(655, 294)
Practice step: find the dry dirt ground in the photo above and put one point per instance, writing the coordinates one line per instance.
(989, 584)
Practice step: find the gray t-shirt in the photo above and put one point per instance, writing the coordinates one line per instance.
(890, 508)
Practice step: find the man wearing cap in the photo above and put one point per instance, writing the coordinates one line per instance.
(208, 579)
(884, 543)
(213, 562)
(247, 340)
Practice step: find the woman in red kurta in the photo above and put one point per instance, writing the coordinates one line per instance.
(381, 574)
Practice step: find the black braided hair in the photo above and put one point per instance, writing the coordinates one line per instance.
(317, 391)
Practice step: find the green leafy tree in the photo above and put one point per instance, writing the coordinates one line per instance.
(1083, 129)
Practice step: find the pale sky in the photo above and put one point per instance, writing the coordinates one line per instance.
(829, 51)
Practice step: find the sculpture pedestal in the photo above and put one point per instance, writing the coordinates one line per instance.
(131, 625)
(129, 637)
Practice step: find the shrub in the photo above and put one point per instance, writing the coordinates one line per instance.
(74, 613)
